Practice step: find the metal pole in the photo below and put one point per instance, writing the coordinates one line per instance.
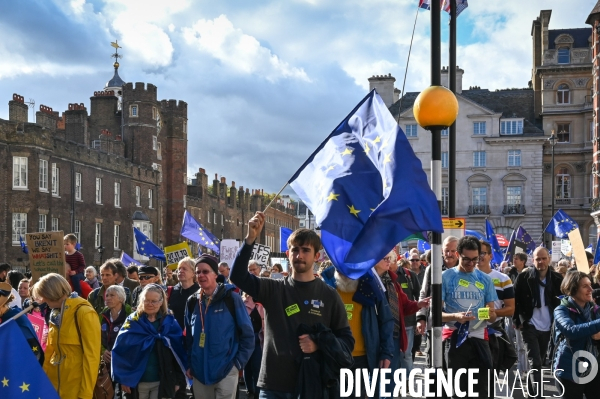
(552, 196)
(436, 185)
(452, 130)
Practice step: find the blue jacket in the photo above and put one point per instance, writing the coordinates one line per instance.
(377, 320)
(577, 331)
(228, 342)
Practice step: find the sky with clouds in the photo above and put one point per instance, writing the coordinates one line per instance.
(265, 80)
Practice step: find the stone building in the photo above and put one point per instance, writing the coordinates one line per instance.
(562, 83)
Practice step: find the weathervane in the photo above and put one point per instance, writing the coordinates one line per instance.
(116, 55)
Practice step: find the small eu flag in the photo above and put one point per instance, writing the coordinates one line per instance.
(366, 188)
(21, 375)
(561, 225)
(23, 245)
(193, 230)
(146, 247)
(128, 260)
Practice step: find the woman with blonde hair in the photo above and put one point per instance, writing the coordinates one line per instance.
(148, 353)
(72, 353)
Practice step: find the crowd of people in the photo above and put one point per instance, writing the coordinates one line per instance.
(196, 329)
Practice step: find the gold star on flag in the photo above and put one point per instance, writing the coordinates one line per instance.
(332, 167)
(387, 158)
(347, 151)
(5, 382)
(377, 140)
(24, 387)
(367, 149)
(35, 349)
(353, 210)
(332, 197)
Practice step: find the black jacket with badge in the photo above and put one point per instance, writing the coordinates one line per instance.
(527, 292)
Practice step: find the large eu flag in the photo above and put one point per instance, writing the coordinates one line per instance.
(193, 230)
(146, 247)
(21, 375)
(366, 188)
(561, 225)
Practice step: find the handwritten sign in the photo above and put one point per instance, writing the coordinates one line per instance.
(483, 313)
(228, 250)
(46, 253)
(260, 253)
(174, 253)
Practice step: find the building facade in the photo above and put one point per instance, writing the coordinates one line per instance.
(594, 20)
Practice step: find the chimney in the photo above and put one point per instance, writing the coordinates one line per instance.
(384, 84)
(223, 187)
(215, 187)
(232, 196)
(46, 118)
(17, 109)
(459, 78)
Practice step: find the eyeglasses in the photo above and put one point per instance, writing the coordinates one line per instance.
(469, 260)
(145, 277)
(483, 253)
(153, 303)
(205, 272)
(387, 259)
(415, 260)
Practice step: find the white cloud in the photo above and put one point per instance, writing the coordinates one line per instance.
(239, 51)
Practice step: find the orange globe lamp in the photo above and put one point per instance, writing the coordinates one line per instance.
(435, 107)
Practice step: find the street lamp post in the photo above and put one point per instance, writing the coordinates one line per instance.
(552, 140)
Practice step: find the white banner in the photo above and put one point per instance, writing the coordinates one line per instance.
(556, 251)
(228, 250)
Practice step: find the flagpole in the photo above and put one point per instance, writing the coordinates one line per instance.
(275, 197)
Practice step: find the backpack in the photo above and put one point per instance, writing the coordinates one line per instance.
(228, 299)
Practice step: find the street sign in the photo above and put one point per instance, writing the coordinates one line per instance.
(454, 223)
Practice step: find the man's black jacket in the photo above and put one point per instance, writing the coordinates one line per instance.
(525, 286)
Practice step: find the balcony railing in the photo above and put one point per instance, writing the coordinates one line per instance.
(515, 209)
(479, 210)
(562, 201)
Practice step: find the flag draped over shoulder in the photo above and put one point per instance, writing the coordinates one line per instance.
(491, 238)
(133, 345)
(146, 247)
(128, 260)
(366, 188)
(561, 225)
(193, 230)
(284, 234)
(21, 375)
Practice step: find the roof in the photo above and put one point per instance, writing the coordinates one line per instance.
(116, 80)
(595, 10)
(580, 37)
(513, 103)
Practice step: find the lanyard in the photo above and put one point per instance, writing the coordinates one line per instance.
(200, 308)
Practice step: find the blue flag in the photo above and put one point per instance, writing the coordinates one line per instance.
(21, 375)
(597, 256)
(475, 234)
(128, 260)
(423, 246)
(23, 245)
(284, 234)
(366, 188)
(491, 238)
(146, 247)
(192, 230)
(561, 225)
(519, 235)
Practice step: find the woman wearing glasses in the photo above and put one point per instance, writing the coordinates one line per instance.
(73, 349)
(148, 353)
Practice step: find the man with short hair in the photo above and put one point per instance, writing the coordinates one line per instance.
(132, 273)
(254, 268)
(296, 300)
(536, 295)
(108, 276)
(219, 341)
(417, 267)
(519, 262)
(466, 290)
(224, 270)
(121, 276)
(148, 275)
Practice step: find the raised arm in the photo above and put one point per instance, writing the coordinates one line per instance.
(239, 275)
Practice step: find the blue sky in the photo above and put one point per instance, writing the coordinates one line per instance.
(265, 81)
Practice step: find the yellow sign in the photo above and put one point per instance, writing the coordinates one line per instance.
(483, 313)
(454, 223)
(479, 285)
(174, 253)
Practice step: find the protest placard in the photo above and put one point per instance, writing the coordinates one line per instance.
(228, 250)
(260, 253)
(46, 253)
(39, 326)
(174, 253)
(579, 251)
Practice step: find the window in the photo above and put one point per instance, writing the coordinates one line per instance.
(154, 143)
(514, 158)
(591, 130)
(479, 196)
(117, 195)
(445, 131)
(43, 175)
(478, 127)
(593, 236)
(411, 130)
(207, 216)
(150, 198)
(138, 196)
(133, 111)
(96, 144)
(564, 56)
(445, 159)
(98, 235)
(78, 230)
(511, 127)
(564, 132)
(479, 159)
(42, 224)
(19, 172)
(184, 127)
(513, 195)
(563, 183)
(116, 236)
(77, 186)
(55, 180)
(444, 200)
(54, 224)
(154, 113)
(19, 227)
(98, 190)
(222, 220)
(562, 94)
(214, 217)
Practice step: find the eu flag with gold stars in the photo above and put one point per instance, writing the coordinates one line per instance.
(21, 375)
(561, 225)
(193, 230)
(146, 247)
(366, 188)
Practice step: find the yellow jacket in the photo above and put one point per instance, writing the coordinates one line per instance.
(73, 371)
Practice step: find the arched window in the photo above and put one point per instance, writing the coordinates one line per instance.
(563, 183)
(562, 94)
